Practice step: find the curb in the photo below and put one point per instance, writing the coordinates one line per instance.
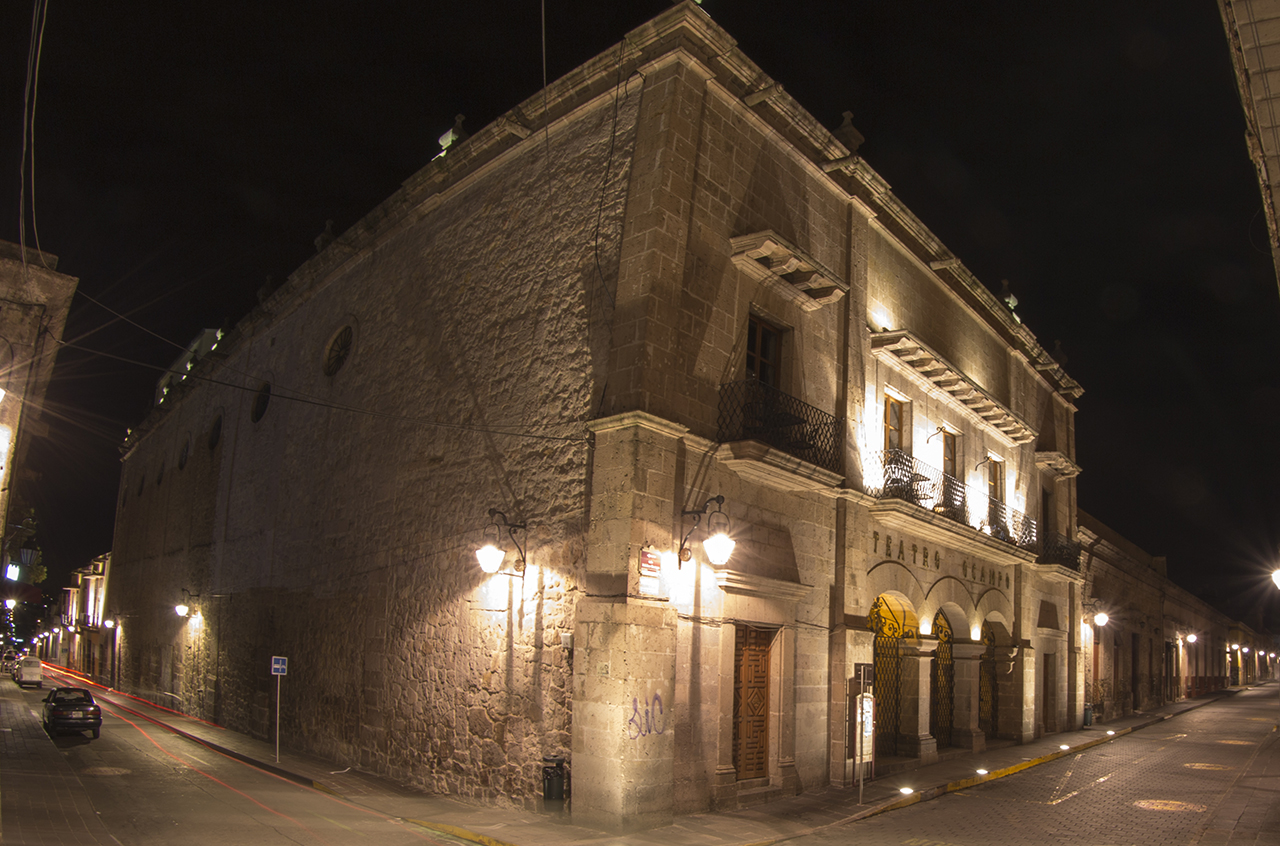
(941, 790)
(916, 798)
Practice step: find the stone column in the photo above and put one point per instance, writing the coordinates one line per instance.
(623, 716)
(964, 719)
(914, 738)
(1018, 708)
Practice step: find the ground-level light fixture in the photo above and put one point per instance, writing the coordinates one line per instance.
(490, 555)
(718, 545)
(1275, 577)
(1064, 747)
(906, 791)
(982, 772)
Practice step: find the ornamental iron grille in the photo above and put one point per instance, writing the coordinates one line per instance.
(1056, 549)
(751, 701)
(911, 480)
(750, 410)
(988, 685)
(889, 623)
(942, 684)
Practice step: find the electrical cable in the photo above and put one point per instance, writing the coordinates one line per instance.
(39, 16)
(307, 400)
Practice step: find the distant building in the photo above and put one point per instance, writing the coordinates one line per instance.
(34, 301)
(670, 305)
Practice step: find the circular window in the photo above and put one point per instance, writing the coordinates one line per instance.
(339, 350)
(260, 403)
(184, 453)
(215, 432)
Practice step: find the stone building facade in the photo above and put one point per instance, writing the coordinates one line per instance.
(34, 301)
(1156, 642)
(662, 303)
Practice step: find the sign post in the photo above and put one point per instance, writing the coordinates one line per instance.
(279, 669)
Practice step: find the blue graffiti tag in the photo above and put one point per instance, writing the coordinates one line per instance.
(653, 721)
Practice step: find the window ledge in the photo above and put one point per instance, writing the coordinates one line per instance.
(762, 464)
(901, 346)
(774, 261)
(1058, 464)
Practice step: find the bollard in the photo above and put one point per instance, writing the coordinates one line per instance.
(553, 778)
(1088, 715)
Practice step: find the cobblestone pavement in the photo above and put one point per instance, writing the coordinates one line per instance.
(1212, 776)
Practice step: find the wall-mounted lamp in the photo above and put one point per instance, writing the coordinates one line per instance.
(182, 608)
(111, 624)
(1236, 647)
(1100, 617)
(10, 603)
(718, 545)
(1191, 638)
(491, 555)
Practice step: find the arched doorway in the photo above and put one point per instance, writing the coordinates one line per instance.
(988, 685)
(892, 620)
(942, 683)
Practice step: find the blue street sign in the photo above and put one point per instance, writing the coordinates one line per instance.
(279, 665)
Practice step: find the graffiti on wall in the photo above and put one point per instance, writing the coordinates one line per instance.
(651, 719)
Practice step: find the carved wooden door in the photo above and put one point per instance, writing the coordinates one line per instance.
(751, 702)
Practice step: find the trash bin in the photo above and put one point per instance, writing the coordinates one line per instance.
(553, 778)
(1088, 715)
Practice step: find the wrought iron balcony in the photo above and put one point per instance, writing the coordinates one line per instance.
(911, 480)
(752, 411)
(1056, 549)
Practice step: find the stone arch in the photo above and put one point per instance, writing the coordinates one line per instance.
(993, 605)
(949, 594)
(893, 578)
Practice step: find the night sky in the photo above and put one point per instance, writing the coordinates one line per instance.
(1091, 153)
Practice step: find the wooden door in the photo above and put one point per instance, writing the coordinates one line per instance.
(751, 702)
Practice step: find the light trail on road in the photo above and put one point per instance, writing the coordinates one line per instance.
(278, 806)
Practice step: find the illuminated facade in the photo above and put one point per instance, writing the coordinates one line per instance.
(719, 318)
(34, 300)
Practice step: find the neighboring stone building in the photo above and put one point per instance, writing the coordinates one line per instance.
(655, 310)
(1253, 35)
(34, 301)
(1157, 642)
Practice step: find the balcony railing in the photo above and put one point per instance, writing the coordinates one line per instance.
(1056, 549)
(752, 411)
(911, 480)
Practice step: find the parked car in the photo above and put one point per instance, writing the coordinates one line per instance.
(7, 661)
(71, 709)
(29, 671)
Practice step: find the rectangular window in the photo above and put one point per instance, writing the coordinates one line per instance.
(894, 421)
(949, 454)
(764, 352)
(995, 480)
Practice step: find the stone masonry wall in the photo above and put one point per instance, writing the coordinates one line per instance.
(338, 528)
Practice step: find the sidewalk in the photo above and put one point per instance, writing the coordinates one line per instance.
(759, 826)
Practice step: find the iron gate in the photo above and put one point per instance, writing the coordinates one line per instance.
(942, 684)
(988, 685)
(889, 629)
